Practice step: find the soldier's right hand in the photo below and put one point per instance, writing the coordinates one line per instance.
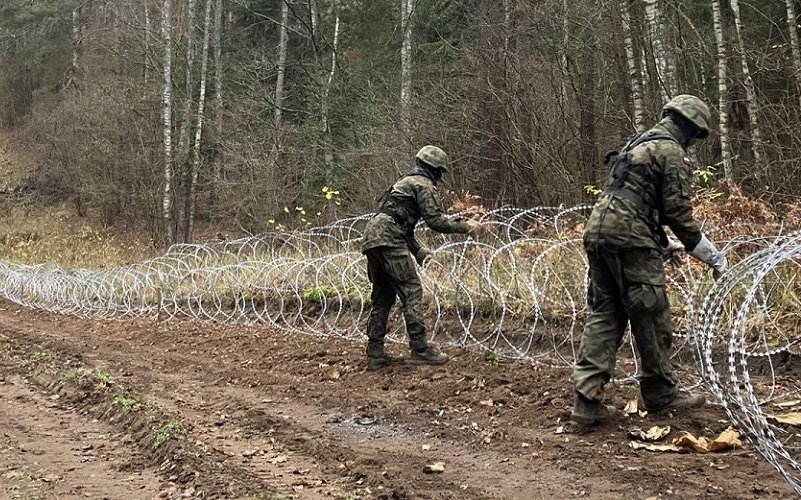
(719, 265)
(707, 253)
(473, 227)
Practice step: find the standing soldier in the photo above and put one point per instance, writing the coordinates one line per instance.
(650, 185)
(390, 246)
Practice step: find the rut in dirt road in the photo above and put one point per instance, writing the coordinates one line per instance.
(48, 450)
(291, 412)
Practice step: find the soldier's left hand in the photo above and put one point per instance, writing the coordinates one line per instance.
(422, 255)
(671, 252)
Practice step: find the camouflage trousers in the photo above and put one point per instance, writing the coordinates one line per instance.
(626, 286)
(393, 275)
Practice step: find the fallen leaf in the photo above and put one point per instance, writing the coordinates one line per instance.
(437, 467)
(637, 445)
(727, 440)
(631, 407)
(655, 433)
(787, 418)
(788, 404)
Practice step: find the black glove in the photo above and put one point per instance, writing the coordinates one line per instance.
(422, 255)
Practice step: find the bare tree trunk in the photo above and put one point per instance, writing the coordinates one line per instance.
(201, 102)
(634, 73)
(330, 81)
(588, 79)
(750, 91)
(794, 46)
(145, 73)
(315, 20)
(184, 141)
(665, 72)
(723, 103)
(407, 10)
(282, 50)
(563, 55)
(166, 32)
(183, 138)
(218, 111)
(76, 48)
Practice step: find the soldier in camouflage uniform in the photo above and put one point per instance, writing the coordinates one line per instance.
(650, 185)
(391, 249)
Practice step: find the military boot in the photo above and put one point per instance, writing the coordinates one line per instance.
(682, 399)
(588, 412)
(428, 357)
(376, 363)
(376, 357)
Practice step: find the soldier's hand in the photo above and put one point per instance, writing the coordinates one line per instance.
(473, 227)
(707, 253)
(422, 255)
(720, 266)
(670, 253)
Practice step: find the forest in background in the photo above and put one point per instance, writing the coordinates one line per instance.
(284, 114)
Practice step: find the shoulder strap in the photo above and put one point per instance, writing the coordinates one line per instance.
(651, 135)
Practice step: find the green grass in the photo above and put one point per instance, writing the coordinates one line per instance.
(493, 358)
(166, 431)
(84, 375)
(126, 402)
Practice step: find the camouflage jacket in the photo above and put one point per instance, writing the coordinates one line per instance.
(661, 175)
(412, 197)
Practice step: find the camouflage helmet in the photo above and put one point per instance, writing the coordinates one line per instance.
(693, 109)
(434, 157)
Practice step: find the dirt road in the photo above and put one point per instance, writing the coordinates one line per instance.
(138, 409)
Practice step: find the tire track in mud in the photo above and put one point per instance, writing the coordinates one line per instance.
(47, 451)
(285, 410)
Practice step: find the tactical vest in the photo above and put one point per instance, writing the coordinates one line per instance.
(403, 210)
(621, 167)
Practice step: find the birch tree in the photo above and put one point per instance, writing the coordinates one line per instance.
(282, 52)
(146, 55)
(723, 98)
(166, 33)
(218, 109)
(634, 73)
(183, 137)
(748, 83)
(407, 11)
(563, 56)
(201, 102)
(665, 72)
(795, 51)
(76, 47)
(329, 82)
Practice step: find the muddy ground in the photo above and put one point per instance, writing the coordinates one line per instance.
(138, 409)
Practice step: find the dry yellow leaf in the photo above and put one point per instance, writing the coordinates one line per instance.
(631, 407)
(637, 445)
(787, 418)
(437, 467)
(727, 440)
